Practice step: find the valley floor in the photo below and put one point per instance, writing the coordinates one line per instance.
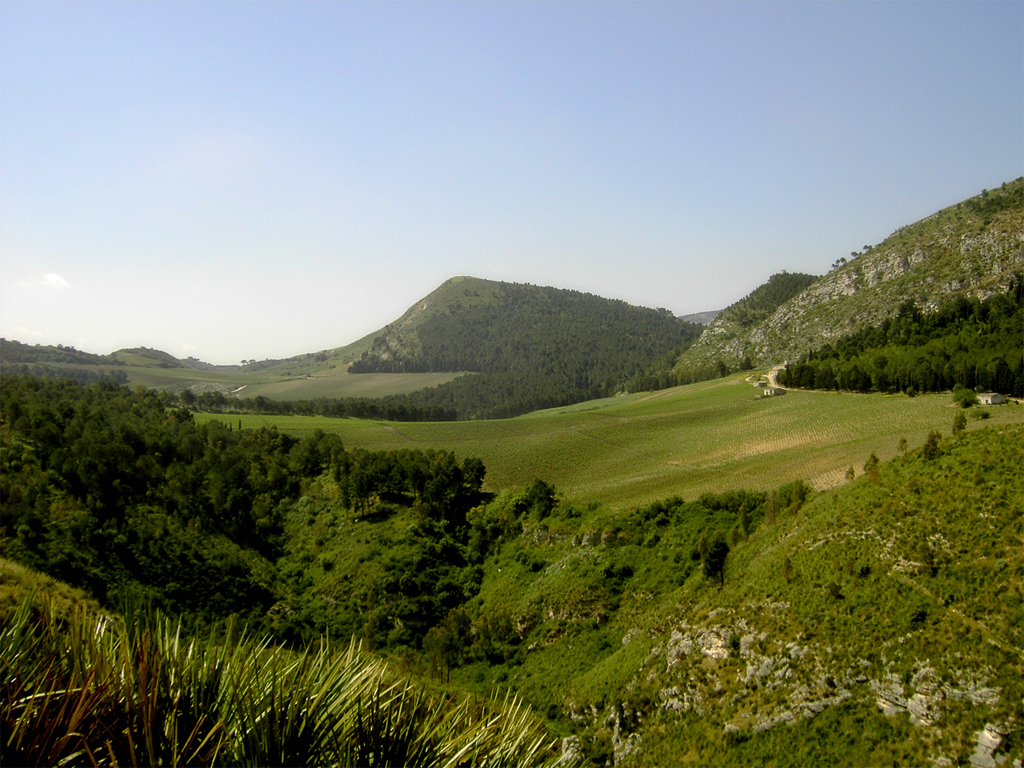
(635, 449)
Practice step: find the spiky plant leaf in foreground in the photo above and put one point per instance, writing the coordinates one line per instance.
(92, 690)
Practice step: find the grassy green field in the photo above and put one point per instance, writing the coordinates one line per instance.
(342, 384)
(272, 384)
(176, 379)
(181, 378)
(631, 450)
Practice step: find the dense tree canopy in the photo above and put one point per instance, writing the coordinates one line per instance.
(532, 348)
(967, 342)
(105, 488)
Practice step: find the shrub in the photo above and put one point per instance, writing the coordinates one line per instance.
(788, 572)
(964, 397)
(871, 467)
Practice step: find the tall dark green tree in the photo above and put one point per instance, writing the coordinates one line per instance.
(713, 550)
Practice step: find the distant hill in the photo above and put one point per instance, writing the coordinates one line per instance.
(701, 318)
(16, 352)
(971, 249)
(48, 355)
(469, 324)
(154, 357)
(531, 347)
(58, 361)
(535, 347)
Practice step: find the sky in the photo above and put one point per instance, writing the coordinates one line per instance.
(251, 180)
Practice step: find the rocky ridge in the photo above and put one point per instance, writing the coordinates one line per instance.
(962, 250)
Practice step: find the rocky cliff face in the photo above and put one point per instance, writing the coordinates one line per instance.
(963, 250)
(740, 669)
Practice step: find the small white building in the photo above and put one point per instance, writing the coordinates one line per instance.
(991, 398)
(772, 391)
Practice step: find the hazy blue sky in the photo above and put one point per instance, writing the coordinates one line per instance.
(249, 180)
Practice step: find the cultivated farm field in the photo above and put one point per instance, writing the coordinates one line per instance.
(635, 449)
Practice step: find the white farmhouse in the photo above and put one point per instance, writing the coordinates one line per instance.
(991, 398)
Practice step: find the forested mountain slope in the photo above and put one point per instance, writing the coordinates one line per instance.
(969, 249)
(107, 489)
(482, 326)
(534, 347)
(966, 342)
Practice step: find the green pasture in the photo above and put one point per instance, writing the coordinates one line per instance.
(339, 384)
(278, 385)
(181, 378)
(154, 377)
(631, 450)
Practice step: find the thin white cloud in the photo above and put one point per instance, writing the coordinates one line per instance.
(55, 281)
(50, 280)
